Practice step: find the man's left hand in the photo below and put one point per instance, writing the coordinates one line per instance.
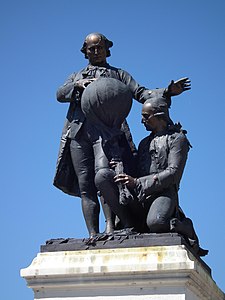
(177, 87)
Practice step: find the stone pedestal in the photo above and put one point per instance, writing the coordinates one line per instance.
(151, 272)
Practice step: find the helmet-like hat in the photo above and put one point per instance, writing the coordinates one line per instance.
(159, 104)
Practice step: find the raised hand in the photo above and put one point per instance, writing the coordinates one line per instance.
(179, 86)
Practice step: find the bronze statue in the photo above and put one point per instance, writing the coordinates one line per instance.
(81, 154)
(161, 160)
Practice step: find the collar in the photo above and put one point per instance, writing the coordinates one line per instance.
(91, 67)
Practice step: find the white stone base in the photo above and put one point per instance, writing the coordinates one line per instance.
(153, 273)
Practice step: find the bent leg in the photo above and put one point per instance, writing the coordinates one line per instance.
(109, 216)
(101, 162)
(106, 185)
(161, 211)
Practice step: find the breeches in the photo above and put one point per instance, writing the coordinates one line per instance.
(160, 210)
(88, 157)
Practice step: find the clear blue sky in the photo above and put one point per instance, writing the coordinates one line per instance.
(155, 41)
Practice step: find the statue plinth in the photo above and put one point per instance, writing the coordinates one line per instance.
(168, 272)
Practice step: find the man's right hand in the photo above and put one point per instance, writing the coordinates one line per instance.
(83, 83)
(128, 180)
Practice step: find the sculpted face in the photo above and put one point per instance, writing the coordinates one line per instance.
(148, 118)
(96, 50)
(152, 118)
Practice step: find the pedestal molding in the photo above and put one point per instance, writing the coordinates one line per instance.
(129, 270)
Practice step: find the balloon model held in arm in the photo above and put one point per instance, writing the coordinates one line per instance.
(138, 190)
